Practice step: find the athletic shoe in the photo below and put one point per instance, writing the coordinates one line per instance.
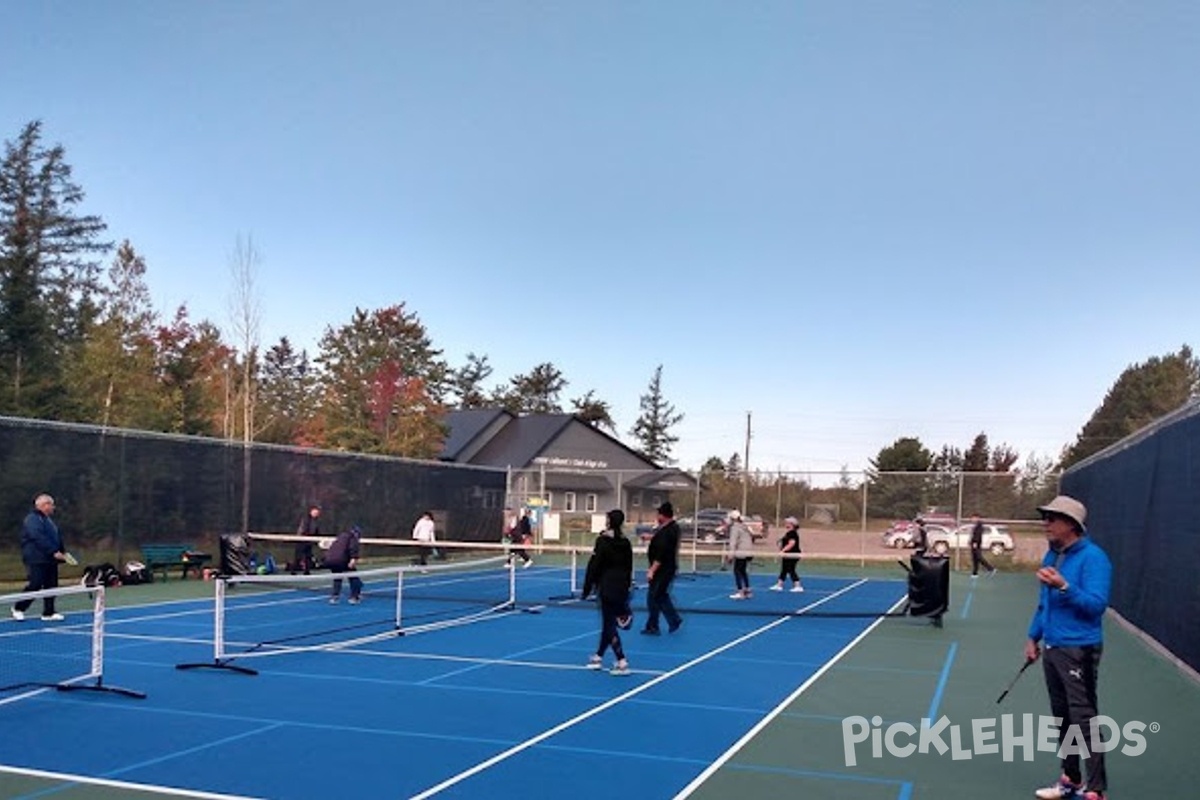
(595, 662)
(18, 614)
(737, 596)
(797, 588)
(1063, 789)
(777, 587)
(991, 573)
(974, 575)
(333, 601)
(52, 617)
(355, 600)
(675, 627)
(625, 621)
(1088, 794)
(651, 632)
(527, 564)
(620, 668)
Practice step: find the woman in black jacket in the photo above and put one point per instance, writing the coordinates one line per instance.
(610, 574)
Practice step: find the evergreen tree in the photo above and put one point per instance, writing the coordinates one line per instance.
(535, 393)
(49, 274)
(288, 396)
(652, 430)
(594, 412)
(466, 382)
(898, 495)
(111, 375)
(1143, 393)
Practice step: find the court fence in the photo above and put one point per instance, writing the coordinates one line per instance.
(1142, 495)
(116, 490)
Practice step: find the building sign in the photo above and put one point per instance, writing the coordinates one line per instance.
(572, 463)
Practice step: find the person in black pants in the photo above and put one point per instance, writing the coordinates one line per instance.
(663, 555)
(310, 526)
(1075, 578)
(610, 572)
(977, 549)
(341, 557)
(42, 551)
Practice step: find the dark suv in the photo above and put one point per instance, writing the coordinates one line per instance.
(707, 526)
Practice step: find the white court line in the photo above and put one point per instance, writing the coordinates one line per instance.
(124, 785)
(541, 737)
(754, 731)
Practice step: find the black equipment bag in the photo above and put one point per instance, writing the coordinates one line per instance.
(235, 554)
(928, 586)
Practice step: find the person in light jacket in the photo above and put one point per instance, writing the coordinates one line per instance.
(741, 550)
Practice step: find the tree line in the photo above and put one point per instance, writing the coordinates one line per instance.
(80, 341)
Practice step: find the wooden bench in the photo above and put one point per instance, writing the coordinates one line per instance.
(165, 556)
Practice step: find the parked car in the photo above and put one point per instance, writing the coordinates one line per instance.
(900, 534)
(996, 539)
(708, 525)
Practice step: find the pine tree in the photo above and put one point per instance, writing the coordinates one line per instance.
(652, 430)
(1143, 393)
(49, 274)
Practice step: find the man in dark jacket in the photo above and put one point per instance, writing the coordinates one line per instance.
(610, 572)
(310, 527)
(342, 556)
(663, 555)
(977, 548)
(42, 550)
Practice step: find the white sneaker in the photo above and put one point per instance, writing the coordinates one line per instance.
(1063, 789)
(797, 588)
(18, 614)
(527, 564)
(56, 617)
(333, 601)
(620, 668)
(777, 587)
(737, 596)
(595, 662)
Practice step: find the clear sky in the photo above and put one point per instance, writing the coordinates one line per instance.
(855, 220)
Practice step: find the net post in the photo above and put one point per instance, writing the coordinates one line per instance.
(98, 606)
(399, 600)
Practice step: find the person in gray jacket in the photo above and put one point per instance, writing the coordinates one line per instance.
(741, 550)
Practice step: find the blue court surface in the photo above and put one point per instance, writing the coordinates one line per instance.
(504, 707)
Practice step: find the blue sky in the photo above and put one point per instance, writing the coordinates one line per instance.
(854, 220)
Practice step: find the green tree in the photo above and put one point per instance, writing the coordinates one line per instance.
(534, 393)
(466, 382)
(594, 411)
(50, 266)
(652, 430)
(383, 383)
(899, 495)
(1143, 393)
(288, 396)
(111, 375)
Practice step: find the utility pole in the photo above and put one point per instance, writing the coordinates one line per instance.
(746, 467)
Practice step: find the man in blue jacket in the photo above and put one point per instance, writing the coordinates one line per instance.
(41, 550)
(1075, 577)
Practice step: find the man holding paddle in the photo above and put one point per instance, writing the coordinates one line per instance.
(42, 550)
(1075, 577)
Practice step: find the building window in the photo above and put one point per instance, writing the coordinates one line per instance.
(549, 500)
(636, 500)
(568, 501)
(592, 502)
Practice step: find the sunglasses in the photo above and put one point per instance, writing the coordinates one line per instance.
(1050, 516)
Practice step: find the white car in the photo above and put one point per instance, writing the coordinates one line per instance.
(996, 539)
